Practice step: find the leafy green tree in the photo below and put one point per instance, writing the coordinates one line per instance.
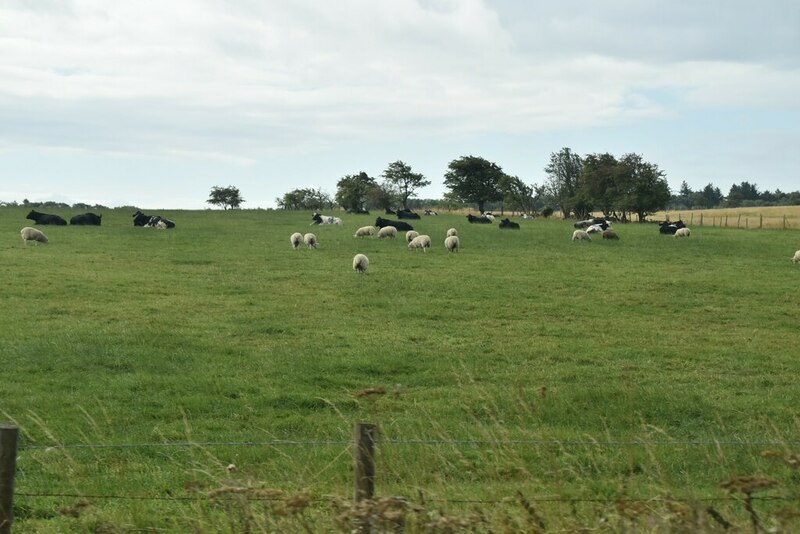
(381, 196)
(399, 175)
(645, 188)
(352, 191)
(226, 197)
(563, 178)
(305, 199)
(517, 195)
(474, 179)
(600, 181)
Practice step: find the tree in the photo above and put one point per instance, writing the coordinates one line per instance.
(305, 199)
(644, 186)
(600, 181)
(517, 194)
(474, 179)
(352, 191)
(564, 172)
(227, 197)
(399, 175)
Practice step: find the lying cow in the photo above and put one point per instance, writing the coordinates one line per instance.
(509, 224)
(407, 214)
(400, 225)
(478, 220)
(86, 219)
(670, 228)
(44, 218)
(604, 224)
(325, 219)
(151, 221)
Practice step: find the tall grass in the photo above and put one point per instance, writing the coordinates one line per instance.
(526, 363)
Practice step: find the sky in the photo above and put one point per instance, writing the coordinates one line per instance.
(152, 103)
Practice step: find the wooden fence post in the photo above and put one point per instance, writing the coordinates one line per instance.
(760, 221)
(784, 222)
(738, 220)
(366, 435)
(8, 467)
(701, 219)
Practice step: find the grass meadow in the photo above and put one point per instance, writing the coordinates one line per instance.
(531, 383)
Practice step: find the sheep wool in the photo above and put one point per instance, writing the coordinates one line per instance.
(796, 258)
(410, 235)
(452, 232)
(451, 243)
(420, 242)
(682, 232)
(610, 234)
(32, 234)
(387, 231)
(580, 235)
(360, 263)
(311, 240)
(296, 240)
(365, 231)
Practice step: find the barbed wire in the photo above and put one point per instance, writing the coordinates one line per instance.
(328, 499)
(421, 441)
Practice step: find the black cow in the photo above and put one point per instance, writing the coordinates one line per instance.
(44, 218)
(151, 221)
(508, 224)
(86, 219)
(390, 211)
(479, 220)
(407, 214)
(670, 228)
(400, 225)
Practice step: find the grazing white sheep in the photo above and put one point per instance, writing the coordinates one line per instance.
(296, 239)
(410, 235)
(421, 241)
(360, 263)
(580, 235)
(311, 240)
(365, 231)
(682, 232)
(32, 234)
(451, 243)
(387, 231)
(796, 257)
(452, 231)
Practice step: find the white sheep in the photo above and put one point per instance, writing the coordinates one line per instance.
(365, 231)
(580, 235)
(360, 263)
(32, 234)
(387, 231)
(796, 257)
(421, 241)
(410, 235)
(452, 232)
(682, 232)
(451, 243)
(311, 240)
(296, 240)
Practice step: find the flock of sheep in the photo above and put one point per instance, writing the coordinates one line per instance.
(414, 239)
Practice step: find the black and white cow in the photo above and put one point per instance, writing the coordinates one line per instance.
(603, 223)
(325, 219)
(87, 219)
(478, 220)
(44, 218)
(509, 224)
(151, 221)
(430, 212)
(400, 225)
(670, 228)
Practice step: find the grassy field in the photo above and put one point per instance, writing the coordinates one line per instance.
(526, 368)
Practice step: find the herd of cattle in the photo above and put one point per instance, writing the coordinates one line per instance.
(32, 234)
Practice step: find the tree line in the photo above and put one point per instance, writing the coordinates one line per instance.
(576, 186)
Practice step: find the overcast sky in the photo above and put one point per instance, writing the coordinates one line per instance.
(151, 103)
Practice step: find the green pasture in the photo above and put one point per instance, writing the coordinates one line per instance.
(142, 362)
